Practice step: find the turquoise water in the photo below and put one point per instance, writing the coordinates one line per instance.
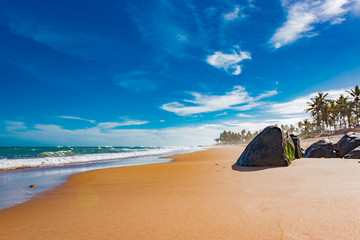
(23, 157)
(61, 151)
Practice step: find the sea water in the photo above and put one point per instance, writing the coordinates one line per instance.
(47, 167)
(22, 157)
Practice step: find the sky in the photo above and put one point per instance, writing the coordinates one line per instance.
(168, 72)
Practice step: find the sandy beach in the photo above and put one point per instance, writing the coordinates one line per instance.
(200, 195)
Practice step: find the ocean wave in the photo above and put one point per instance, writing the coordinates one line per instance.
(56, 154)
(51, 159)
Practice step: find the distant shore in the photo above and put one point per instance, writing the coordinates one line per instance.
(199, 195)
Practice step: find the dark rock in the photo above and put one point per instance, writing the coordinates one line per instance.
(296, 141)
(354, 154)
(322, 148)
(271, 147)
(347, 143)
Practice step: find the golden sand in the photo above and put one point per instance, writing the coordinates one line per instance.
(198, 196)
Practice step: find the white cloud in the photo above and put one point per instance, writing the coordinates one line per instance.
(242, 115)
(228, 61)
(237, 99)
(237, 70)
(298, 105)
(286, 120)
(303, 17)
(232, 15)
(14, 126)
(173, 136)
(78, 118)
(181, 37)
(237, 126)
(57, 135)
(356, 7)
(221, 114)
(337, 21)
(110, 125)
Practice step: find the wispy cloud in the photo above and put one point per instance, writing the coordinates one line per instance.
(221, 114)
(229, 61)
(243, 115)
(230, 16)
(78, 118)
(304, 16)
(238, 99)
(72, 43)
(136, 81)
(111, 125)
(14, 126)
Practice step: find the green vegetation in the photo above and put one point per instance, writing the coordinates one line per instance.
(228, 137)
(331, 115)
(290, 152)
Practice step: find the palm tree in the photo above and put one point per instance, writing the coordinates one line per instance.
(300, 124)
(243, 135)
(318, 109)
(355, 94)
(305, 126)
(345, 109)
(333, 113)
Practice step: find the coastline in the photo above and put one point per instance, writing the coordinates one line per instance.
(197, 196)
(14, 183)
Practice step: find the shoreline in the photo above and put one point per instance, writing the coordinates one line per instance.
(197, 196)
(46, 178)
(81, 155)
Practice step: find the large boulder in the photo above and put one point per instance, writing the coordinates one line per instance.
(272, 147)
(354, 154)
(322, 148)
(296, 141)
(347, 143)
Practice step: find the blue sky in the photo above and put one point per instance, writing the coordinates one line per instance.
(167, 72)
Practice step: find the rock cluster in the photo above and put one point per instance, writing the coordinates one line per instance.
(274, 147)
(348, 147)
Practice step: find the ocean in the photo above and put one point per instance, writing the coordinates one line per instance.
(23, 157)
(47, 167)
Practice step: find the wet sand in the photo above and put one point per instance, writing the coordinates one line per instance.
(200, 195)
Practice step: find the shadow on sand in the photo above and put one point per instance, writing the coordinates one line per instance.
(239, 168)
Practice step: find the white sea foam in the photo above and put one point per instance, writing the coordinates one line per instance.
(86, 158)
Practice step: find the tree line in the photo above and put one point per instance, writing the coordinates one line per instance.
(332, 114)
(229, 137)
(327, 114)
